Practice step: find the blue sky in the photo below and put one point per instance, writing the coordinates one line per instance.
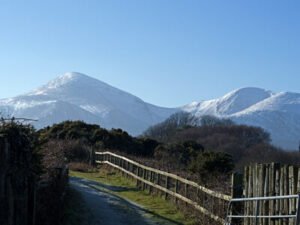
(168, 52)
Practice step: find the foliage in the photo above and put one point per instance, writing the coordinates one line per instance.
(73, 130)
(178, 155)
(52, 184)
(219, 135)
(19, 168)
(76, 151)
(181, 121)
(208, 120)
(163, 131)
(211, 164)
(23, 142)
(94, 136)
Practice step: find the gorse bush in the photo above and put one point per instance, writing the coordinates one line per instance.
(178, 155)
(22, 140)
(19, 169)
(30, 168)
(212, 164)
(93, 136)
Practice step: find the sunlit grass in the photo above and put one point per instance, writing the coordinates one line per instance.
(153, 203)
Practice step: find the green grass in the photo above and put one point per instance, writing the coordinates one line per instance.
(152, 203)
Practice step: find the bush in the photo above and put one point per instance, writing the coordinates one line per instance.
(93, 136)
(212, 164)
(76, 151)
(178, 155)
(19, 168)
(212, 121)
(53, 184)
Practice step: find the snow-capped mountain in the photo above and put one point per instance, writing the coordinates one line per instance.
(277, 113)
(75, 96)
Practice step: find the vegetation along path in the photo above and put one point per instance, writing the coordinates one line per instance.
(109, 209)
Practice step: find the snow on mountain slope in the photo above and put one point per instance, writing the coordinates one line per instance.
(284, 101)
(277, 113)
(77, 96)
(230, 103)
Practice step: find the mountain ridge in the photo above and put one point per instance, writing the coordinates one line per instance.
(76, 96)
(277, 113)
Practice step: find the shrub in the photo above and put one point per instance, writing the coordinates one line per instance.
(93, 136)
(212, 163)
(178, 155)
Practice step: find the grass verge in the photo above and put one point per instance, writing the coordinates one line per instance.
(154, 204)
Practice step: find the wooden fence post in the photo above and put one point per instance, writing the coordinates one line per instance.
(151, 180)
(298, 211)
(138, 174)
(236, 192)
(186, 191)
(167, 186)
(143, 176)
(176, 190)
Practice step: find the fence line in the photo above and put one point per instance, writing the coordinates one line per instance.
(292, 217)
(266, 194)
(208, 202)
(269, 180)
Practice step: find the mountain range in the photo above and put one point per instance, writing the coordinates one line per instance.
(75, 96)
(277, 113)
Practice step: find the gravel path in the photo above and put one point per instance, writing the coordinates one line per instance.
(107, 209)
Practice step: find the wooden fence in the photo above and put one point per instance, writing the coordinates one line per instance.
(265, 194)
(267, 180)
(211, 203)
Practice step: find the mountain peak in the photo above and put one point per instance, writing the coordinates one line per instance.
(69, 77)
(248, 91)
(75, 95)
(233, 102)
(73, 75)
(241, 99)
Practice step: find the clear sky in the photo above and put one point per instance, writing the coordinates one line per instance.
(167, 52)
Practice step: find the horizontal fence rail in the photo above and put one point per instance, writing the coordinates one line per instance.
(292, 216)
(211, 203)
